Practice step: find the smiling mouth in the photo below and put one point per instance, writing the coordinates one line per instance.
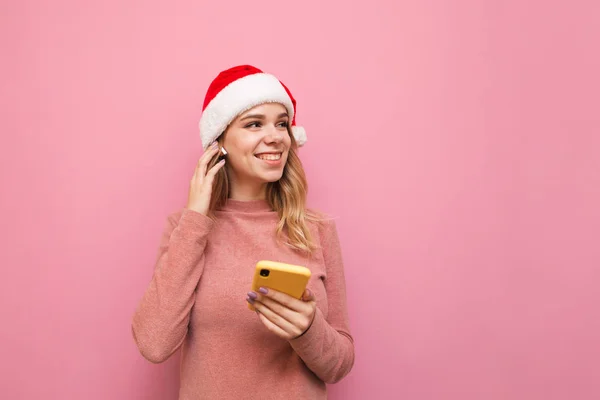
(268, 156)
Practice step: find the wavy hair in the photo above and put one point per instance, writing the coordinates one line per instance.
(287, 197)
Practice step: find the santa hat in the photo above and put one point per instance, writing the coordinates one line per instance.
(237, 90)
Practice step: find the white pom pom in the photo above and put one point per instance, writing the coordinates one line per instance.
(299, 134)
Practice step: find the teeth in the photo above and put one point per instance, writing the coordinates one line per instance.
(270, 157)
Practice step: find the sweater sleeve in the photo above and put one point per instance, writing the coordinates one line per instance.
(327, 347)
(160, 321)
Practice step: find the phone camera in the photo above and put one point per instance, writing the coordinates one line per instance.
(264, 272)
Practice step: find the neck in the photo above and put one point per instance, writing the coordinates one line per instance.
(247, 191)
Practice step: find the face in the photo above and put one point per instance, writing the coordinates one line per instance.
(258, 144)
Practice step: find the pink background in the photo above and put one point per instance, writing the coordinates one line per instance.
(457, 142)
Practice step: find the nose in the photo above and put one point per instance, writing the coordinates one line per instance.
(274, 135)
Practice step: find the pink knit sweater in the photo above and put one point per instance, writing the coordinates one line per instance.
(196, 300)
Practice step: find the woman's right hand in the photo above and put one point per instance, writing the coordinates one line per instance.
(202, 181)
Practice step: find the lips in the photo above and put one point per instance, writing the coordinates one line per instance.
(268, 156)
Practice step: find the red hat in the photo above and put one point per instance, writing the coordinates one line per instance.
(237, 90)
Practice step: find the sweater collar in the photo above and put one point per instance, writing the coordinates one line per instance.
(246, 205)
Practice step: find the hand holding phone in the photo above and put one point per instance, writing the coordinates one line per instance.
(280, 298)
(286, 278)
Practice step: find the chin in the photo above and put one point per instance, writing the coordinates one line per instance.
(273, 177)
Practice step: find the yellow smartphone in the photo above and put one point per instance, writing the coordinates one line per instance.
(286, 278)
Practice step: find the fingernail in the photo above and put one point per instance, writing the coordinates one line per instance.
(252, 295)
(215, 144)
(249, 300)
(263, 290)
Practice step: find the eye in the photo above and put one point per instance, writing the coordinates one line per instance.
(254, 124)
(283, 124)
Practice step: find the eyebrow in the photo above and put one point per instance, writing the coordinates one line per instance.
(261, 116)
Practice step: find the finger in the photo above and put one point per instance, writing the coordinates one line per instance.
(210, 152)
(308, 296)
(205, 159)
(213, 171)
(275, 318)
(196, 168)
(300, 320)
(272, 327)
(286, 313)
(282, 298)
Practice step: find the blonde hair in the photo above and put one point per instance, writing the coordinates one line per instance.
(287, 197)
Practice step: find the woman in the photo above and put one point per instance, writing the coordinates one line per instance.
(247, 206)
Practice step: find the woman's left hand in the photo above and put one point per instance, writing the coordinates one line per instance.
(285, 316)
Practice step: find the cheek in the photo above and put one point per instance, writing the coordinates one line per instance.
(241, 158)
(242, 161)
(241, 149)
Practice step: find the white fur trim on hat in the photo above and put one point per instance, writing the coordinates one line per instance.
(299, 134)
(237, 97)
